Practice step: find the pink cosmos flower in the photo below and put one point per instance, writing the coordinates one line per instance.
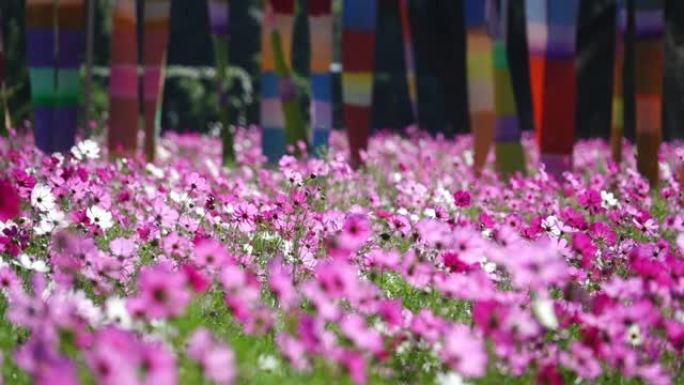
(355, 365)
(464, 352)
(10, 201)
(162, 293)
(293, 350)
(245, 214)
(281, 283)
(355, 232)
(462, 198)
(355, 328)
(338, 279)
(163, 215)
(210, 254)
(216, 359)
(581, 360)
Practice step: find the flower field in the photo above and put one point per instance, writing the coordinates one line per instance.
(409, 271)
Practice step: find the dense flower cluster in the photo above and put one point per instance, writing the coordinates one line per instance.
(412, 270)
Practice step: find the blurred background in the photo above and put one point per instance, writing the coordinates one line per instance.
(439, 39)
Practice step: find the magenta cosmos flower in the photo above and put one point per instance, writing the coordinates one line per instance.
(10, 201)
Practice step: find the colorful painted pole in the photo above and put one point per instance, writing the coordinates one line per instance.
(42, 61)
(551, 39)
(358, 61)
(219, 21)
(321, 36)
(5, 124)
(155, 41)
(88, 82)
(510, 157)
(279, 16)
(479, 69)
(409, 59)
(124, 108)
(617, 116)
(295, 128)
(55, 50)
(71, 48)
(649, 46)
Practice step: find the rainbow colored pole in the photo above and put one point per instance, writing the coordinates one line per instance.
(55, 51)
(649, 46)
(4, 125)
(321, 36)
(219, 19)
(409, 59)
(358, 61)
(618, 119)
(71, 49)
(479, 68)
(551, 38)
(279, 16)
(510, 157)
(42, 62)
(155, 41)
(124, 108)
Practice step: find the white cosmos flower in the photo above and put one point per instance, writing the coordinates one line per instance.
(552, 226)
(31, 263)
(634, 335)
(608, 200)
(100, 217)
(87, 149)
(543, 310)
(680, 242)
(42, 198)
(267, 362)
(450, 378)
(154, 171)
(52, 220)
(116, 313)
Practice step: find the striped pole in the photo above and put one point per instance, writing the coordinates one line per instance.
(123, 82)
(42, 61)
(510, 157)
(649, 46)
(155, 41)
(54, 48)
(479, 68)
(219, 19)
(71, 47)
(273, 139)
(618, 119)
(295, 128)
(409, 59)
(88, 83)
(321, 36)
(5, 124)
(358, 61)
(551, 39)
